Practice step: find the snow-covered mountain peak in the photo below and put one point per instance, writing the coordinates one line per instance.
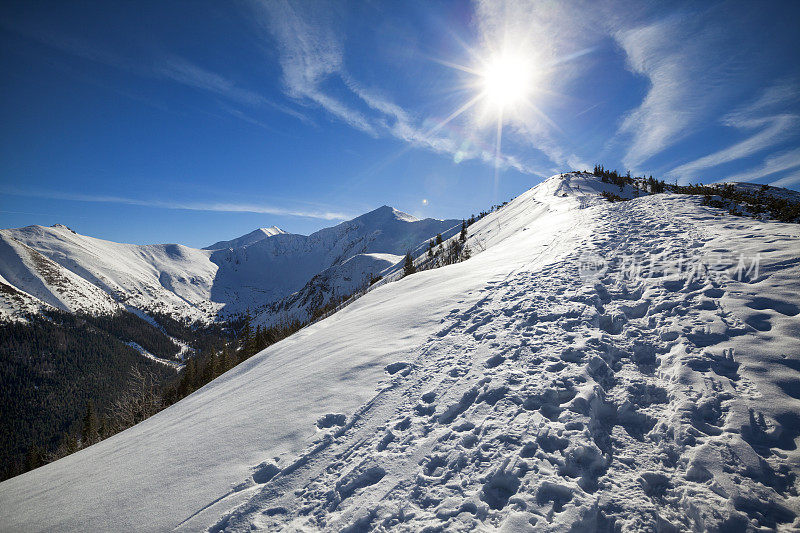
(75, 272)
(583, 187)
(385, 213)
(245, 240)
(62, 226)
(272, 230)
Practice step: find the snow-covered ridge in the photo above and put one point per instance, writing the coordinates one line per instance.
(63, 269)
(544, 384)
(755, 188)
(252, 237)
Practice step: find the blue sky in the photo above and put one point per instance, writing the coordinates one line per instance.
(199, 121)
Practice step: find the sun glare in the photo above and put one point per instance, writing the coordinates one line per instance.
(506, 80)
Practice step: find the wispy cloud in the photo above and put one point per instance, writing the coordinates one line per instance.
(668, 108)
(791, 179)
(225, 207)
(311, 53)
(772, 130)
(171, 67)
(773, 164)
(698, 66)
(181, 71)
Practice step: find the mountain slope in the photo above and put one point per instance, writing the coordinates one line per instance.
(78, 273)
(169, 277)
(290, 261)
(32, 273)
(569, 375)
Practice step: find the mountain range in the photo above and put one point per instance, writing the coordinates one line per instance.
(274, 274)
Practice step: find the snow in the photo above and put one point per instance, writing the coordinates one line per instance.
(339, 281)
(257, 270)
(252, 237)
(37, 276)
(166, 362)
(594, 366)
(757, 188)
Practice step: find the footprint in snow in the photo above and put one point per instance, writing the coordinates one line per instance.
(401, 366)
(330, 420)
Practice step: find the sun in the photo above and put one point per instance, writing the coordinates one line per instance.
(506, 79)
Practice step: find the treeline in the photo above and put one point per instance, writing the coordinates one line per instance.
(207, 366)
(742, 202)
(129, 327)
(737, 200)
(440, 254)
(69, 382)
(648, 184)
(203, 337)
(51, 368)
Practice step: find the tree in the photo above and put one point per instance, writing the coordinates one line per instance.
(140, 401)
(247, 334)
(408, 266)
(209, 370)
(453, 252)
(105, 430)
(463, 236)
(188, 377)
(90, 426)
(430, 248)
(439, 239)
(227, 359)
(33, 458)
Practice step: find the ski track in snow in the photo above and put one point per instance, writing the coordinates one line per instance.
(554, 403)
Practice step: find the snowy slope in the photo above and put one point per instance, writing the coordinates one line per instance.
(567, 376)
(74, 272)
(16, 304)
(757, 188)
(30, 272)
(167, 277)
(336, 282)
(274, 268)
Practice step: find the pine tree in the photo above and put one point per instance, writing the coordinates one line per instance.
(408, 266)
(453, 251)
(105, 428)
(188, 378)
(209, 370)
(227, 359)
(247, 334)
(439, 239)
(33, 458)
(89, 429)
(463, 236)
(430, 248)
